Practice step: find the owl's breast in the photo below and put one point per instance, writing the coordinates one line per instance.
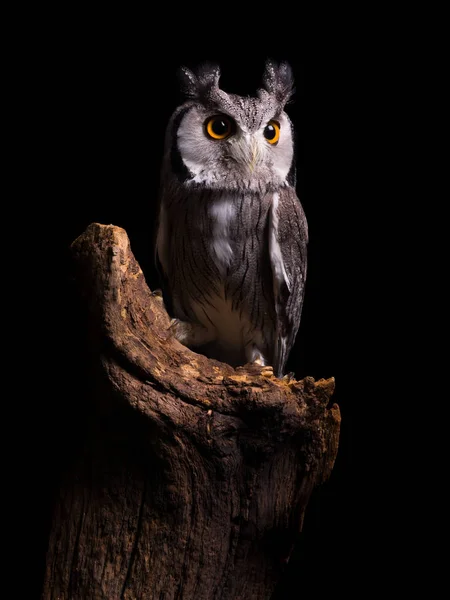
(238, 251)
(222, 232)
(221, 277)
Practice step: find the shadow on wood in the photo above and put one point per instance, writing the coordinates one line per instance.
(195, 478)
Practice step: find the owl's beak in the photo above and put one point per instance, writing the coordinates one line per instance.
(247, 152)
(254, 155)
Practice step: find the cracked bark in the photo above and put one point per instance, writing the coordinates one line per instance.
(195, 478)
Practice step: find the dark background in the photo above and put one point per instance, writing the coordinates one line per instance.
(101, 100)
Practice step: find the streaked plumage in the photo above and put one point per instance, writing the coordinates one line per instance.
(232, 235)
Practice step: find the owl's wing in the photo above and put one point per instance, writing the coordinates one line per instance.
(288, 238)
(161, 256)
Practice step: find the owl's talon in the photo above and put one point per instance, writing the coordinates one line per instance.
(190, 334)
(178, 329)
(288, 377)
(267, 371)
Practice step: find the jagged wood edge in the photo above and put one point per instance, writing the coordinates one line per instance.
(155, 373)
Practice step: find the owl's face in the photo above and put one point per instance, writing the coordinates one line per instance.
(226, 141)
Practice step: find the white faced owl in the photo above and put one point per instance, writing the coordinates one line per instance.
(231, 243)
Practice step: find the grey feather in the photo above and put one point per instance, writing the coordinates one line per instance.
(290, 233)
(199, 83)
(278, 81)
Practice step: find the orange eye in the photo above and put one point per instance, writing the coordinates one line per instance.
(219, 127)
(272, 132)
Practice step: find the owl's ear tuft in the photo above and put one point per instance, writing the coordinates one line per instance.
(278, 81)
(199, 84)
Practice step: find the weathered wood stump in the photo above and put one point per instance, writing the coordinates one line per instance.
(196, 476)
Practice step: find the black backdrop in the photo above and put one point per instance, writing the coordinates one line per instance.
(101, 103)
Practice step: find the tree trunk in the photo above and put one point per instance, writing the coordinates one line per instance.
(195, 479)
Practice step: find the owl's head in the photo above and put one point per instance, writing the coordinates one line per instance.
(225, 141)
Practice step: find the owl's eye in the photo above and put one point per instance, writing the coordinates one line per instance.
(272, 132)
(219, 127)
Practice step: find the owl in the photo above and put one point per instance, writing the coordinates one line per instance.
(231, 240)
